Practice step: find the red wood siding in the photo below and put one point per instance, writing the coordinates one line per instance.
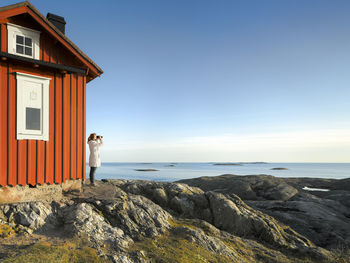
(73, 138)
(62, 157)
(50, 150)
(79, 126)
(37, 162)
(84, 127)
(66, 126)
(11, 136)
(22, 162)
(3, 35)
(58, 129)
(3, 121)
(40, 162)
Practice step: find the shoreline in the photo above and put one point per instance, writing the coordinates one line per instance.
(173, 172)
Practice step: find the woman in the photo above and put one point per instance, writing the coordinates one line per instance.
(94, 142)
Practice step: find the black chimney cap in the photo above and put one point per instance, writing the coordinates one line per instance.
(57, 21)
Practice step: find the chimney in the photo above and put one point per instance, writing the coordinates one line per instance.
(57, 21)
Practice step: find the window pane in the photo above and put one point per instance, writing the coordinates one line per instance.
(33, 119)
(28, 51)
(19, 40)
(19, 49)
(28, 41)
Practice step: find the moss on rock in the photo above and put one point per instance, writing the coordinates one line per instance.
(68, 252)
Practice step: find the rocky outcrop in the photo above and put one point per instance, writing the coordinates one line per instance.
(84, 220)
(250, 187)
(133, 221)
(226, 212)
(34, 215)
(231, 214)
(325, 222)
(136, 215)
(322, 217)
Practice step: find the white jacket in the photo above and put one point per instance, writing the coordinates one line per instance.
(94, 159)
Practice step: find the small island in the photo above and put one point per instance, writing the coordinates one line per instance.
(146, 170)
(170, 165)
(279, 168)
(253, 162)
(238, 164)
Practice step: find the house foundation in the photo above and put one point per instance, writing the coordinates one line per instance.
(49, 193)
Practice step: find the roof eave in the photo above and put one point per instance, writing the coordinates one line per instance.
(94, 71)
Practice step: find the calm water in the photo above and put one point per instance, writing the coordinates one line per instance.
(191, 170)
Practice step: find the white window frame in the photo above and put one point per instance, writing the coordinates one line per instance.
(22, 132)
(14, 30)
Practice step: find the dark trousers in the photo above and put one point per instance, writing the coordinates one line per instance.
(92, 174)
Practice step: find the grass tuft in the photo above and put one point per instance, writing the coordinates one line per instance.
(43, 252)
(169, 248)
(6, 231)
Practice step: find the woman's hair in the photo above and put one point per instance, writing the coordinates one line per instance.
(91, 136)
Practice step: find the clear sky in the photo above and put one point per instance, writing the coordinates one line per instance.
(199, 80)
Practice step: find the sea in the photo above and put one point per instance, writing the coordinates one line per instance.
(170, 172)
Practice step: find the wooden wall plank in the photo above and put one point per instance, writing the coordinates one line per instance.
(22, 162)
(41, 48)
(31, 173)
(12, 142)
(50, 144)
(22, 158)
(46, 56)
(84, 127)
(66, 126)
(3, 32)
(58, 128)
(73, 151)
(63, 138)
(40, 162)
(3, 124)
(79, 126)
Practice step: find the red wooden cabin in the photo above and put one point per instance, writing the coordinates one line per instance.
(43, 78)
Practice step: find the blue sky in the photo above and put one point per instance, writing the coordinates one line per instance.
(198, 80)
